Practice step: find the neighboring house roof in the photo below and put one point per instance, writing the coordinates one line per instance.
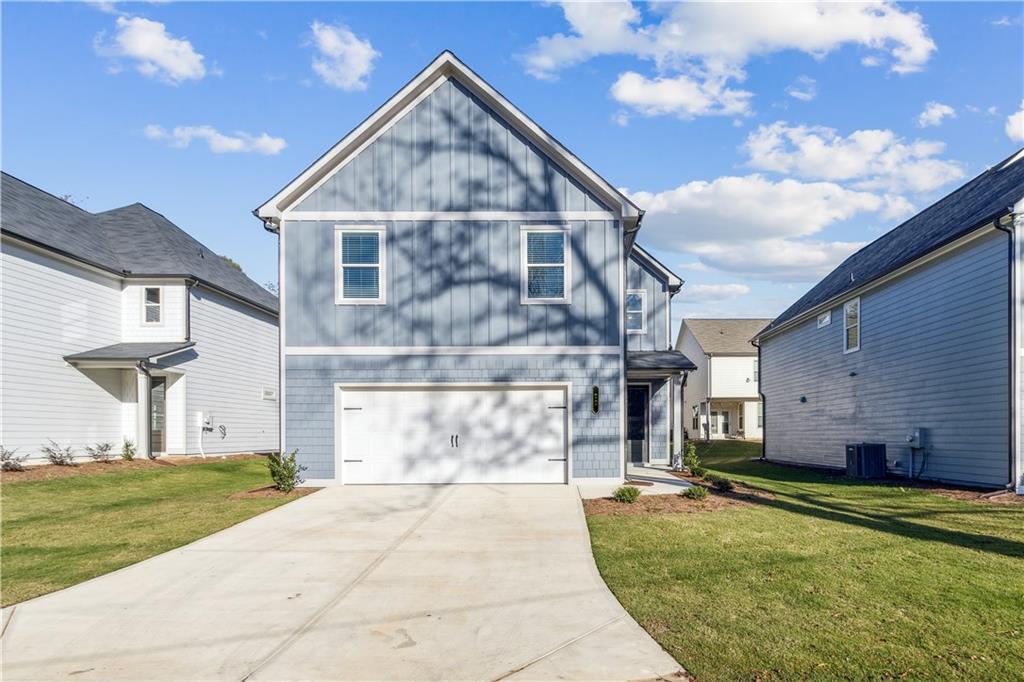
(149, 351)
(130, 241)
(658, 359)
(446, 65)
(726, 336)
(674, 281)
(978, 203)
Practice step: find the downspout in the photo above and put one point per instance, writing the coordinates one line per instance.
(628, 238)
(707, 399)
(1012, 472)
(189, 284)
(764, 404)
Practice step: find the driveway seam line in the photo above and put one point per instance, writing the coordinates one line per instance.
(10, 619)
(558, 648)
(345, 591)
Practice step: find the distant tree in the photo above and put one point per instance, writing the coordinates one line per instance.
(272, 288)
(232, 263)
(70, 198)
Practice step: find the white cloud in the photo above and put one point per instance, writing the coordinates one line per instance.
(156, 53)
(682, 95)
(1015, 125)
(934, 113)
(695, 266)
(343, 60)
(804, 89)
(872, 159)
(715, 292)
(218, 143)
(777, 260)
(621, 118)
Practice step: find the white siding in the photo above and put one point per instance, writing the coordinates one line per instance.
(733, 377)
(236, 356)
(750, 427)
(696, 387)
(50, 309)
(172, 320)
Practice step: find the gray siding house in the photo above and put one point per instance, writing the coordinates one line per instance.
(457, 293)
(915, 342)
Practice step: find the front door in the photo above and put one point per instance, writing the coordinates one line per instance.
(719, 423)
(158, 414)
(637, 399)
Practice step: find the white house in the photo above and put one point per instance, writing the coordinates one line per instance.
(722, 398)
(120, 326)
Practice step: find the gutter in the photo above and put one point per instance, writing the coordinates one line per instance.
(1012, 320)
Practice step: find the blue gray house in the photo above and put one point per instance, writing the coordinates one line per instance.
(463, 301)
(915, 342)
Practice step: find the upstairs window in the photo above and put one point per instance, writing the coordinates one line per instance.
(636, 311)
(361, 270)
(851, 326)
(151, 305)
(546, 274)
(825, 319)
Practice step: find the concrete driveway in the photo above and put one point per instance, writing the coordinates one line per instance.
(355, 583)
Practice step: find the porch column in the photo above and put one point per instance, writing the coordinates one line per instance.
(142, 413)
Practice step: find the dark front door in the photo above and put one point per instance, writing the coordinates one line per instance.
(158, 414)
(637, 398)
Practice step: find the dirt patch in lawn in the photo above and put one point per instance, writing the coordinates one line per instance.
(49, 472)
(664, 504)
(271, 491)
(989, 497)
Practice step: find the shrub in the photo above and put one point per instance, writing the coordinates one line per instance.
(696, 492)
(101, 452)
(720, 482)
(286, 472)
(698, 471)
(128, 450)
(9, 461)
(61, 456)
(690, 459)
(626, 493)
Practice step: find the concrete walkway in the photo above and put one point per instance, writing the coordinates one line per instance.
(660, 478)
(354, 583)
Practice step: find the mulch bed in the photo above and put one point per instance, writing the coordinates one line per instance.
(271, 491)
(48, 472)
(647, 505)
(638, 484)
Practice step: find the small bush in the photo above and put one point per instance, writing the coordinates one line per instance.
(697, 492)
(286, 472)
(626, 493)
(720, 482)
(10, 461)
(690, 459)
(61, 456)
(128, 450)
(698, 471)
(101, 452)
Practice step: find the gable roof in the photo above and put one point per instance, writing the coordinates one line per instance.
(726, 336)
(979, 203)
(445, 66)
(672, 279)
(132, 241)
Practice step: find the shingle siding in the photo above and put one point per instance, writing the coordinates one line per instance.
(310, 383)
(933, 356)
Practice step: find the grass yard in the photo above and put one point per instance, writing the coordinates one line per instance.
(60, 532)
(827, 579)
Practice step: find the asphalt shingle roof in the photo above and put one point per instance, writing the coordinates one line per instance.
(985, 198)
(132, 240)
(726, 336)
(658, 359)
(131, 351)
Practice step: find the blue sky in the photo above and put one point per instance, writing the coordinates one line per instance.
(767, 142)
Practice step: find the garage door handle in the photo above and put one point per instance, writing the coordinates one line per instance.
(556, 459)
(451, 441)
(556, 407)
(456, 440)
(352, 460)
(351, 408)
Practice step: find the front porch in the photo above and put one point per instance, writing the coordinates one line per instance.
(730, 418)
(654, 406)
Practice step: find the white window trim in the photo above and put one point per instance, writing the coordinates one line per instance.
(159, 307)
(524, 230)
(382, 266)
(846, 325)
(643, 311)
(827, 321)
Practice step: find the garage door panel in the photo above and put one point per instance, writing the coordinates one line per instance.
(457, 435)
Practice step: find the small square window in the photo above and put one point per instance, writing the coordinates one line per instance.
(361, 265)
(545, 265)
(636, 311)
(825, 319)
(151, 308)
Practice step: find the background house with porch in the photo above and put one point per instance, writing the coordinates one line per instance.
(722, 397)
(120, 326)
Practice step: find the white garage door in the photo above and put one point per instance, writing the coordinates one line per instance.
(452, 435)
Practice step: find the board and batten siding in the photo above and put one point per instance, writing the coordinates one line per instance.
(52, 308)
(450, 153)
(933, 356)
(235, 358)
(451, 283)
(656, 334)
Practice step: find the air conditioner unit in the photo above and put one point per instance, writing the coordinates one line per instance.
(865, 460)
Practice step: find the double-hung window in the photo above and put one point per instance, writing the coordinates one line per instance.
(546, 263)
(757, 371)
(636, 311)
(361, 269)
(152, 312)
(851, 326)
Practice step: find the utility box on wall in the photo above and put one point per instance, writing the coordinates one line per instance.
(865, 460)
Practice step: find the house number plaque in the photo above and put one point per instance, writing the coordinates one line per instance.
(595, 399)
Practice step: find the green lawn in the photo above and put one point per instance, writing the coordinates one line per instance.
(60, 532)
(831, 579)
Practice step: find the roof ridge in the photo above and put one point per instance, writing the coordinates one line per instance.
(7, 175)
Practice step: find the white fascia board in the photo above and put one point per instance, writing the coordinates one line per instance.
(446, 65)
(671, 278)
